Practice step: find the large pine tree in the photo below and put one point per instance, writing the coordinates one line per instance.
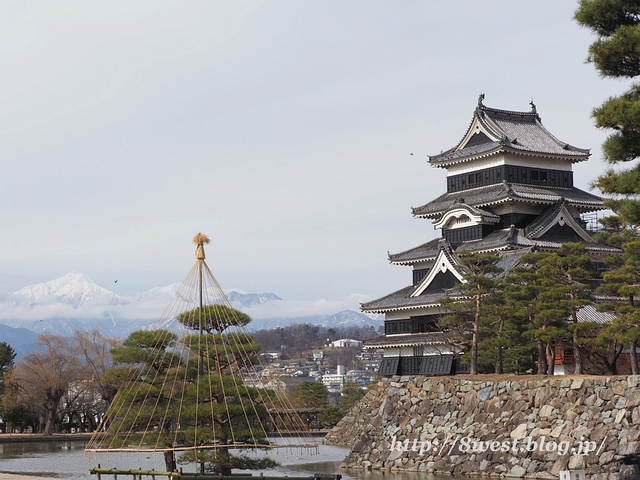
(571, 267)
(538, 300)
(616, 54)
(467, 307)
(195, 400)
(622, 281)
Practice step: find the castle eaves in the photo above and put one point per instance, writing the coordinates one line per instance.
(508, 132)
(500, 192)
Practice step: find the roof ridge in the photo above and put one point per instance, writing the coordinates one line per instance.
(482, 107)
(532, 114)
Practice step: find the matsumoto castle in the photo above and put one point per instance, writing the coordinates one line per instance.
(509, 189)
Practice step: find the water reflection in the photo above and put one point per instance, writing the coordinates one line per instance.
(68, 460)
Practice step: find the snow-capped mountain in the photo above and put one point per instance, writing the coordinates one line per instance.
(74, 289)
(250, 299)
(74, 301)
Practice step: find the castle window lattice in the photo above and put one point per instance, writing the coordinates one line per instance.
(512, 174)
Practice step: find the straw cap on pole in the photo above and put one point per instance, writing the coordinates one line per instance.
(200, 239)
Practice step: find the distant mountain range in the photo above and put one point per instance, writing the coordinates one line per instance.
(251, 299)
(74, 301)
(346, 318)
(73, 289)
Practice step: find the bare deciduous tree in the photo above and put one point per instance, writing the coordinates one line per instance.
(47, 375)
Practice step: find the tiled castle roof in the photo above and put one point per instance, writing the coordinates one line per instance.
(513, 238)
(509, 131)
(429, 338)
(425, 251)
(501, 192)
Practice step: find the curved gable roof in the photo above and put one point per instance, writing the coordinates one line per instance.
(493, 131)
(474, 214)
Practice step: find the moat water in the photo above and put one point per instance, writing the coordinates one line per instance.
(68, 460)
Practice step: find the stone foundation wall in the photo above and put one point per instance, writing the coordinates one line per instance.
(519, 426)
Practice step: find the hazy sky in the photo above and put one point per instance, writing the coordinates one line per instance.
(283, 130)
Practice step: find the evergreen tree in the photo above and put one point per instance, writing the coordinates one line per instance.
(502, 347)
(467, 306)
(7, 357)
(310, 395)
(616, 54)
(140, 367)
(197, 399)
(622, 281)
(574, 267)
(538, 301)
(350, 395)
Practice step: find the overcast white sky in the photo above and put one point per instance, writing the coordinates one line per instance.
(280, 129)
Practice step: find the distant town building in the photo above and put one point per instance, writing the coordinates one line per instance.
(271, 356)
(334, 381)
(346, 342)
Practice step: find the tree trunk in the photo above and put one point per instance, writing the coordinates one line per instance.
(170, 461)
(474, 343)
(499, 369)
(551, 358)
(223, 464)
(577, 352)
(499, 364)
(633, 357)
(611, 361)
(542, 358)
(51, 418)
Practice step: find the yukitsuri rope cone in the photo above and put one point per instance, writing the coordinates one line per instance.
(190, 385)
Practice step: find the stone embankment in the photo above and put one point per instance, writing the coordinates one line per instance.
(517, 426)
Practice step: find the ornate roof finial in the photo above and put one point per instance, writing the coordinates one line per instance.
(533, 106)
(480, 99)
(200, 239)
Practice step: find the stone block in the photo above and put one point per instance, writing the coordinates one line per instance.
(559, 465)
(606, 457)
(470, 401)
(634, 399)
(605, 394)
(576, 462)
(516, 472)
(577, 384)
(628, 448)
(485, 393)
(520, 432)
(546, 411)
